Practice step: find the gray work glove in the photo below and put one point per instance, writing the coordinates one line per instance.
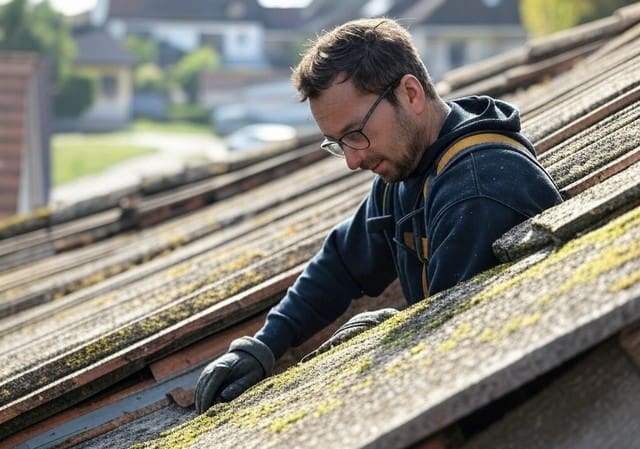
(247, 362)
(356, 325)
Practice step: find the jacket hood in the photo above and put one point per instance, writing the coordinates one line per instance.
(471, 115)
(480, 113)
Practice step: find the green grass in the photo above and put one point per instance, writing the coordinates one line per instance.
(74, 155)
(77, 155)
(170, 127)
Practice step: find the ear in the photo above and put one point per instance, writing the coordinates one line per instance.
(412, 94)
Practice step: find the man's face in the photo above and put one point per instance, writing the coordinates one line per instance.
(394, 138)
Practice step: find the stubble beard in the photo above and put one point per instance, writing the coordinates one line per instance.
(409, 154)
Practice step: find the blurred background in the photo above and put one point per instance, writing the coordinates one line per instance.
(100, 93)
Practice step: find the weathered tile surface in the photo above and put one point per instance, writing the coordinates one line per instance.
(443, 358)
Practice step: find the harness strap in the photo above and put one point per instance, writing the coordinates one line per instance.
(445, 160)
(477, 139)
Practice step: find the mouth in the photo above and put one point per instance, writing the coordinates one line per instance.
(374, 167)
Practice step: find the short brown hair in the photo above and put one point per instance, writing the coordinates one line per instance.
(372, 53)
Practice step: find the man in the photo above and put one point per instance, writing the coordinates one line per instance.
(452, 178)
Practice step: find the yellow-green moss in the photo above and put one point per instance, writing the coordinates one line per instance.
(626, 282)
(606, 255)
(488, 336)
(182, 436)
(520, 322)
(15, 221)
(281, 424)
(417, 349)
(252, 417)
(331, 404)
(5, 394)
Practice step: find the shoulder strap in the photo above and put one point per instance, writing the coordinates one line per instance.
(469, 141)
(456, 148)
(476, 139)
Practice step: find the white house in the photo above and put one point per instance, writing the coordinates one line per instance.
(107, 62)
(232, 27)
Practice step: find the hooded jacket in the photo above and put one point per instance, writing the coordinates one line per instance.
(433, 231)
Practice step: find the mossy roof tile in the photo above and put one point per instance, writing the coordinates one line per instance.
(561, 223)
(442, 358)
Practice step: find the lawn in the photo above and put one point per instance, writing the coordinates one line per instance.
(77, 155)
(143, 125)
(74, 155)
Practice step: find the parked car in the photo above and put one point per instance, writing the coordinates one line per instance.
(261, 136)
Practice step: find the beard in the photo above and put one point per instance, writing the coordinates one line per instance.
(409, 151)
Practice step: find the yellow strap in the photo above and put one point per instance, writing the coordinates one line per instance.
(408, 240)
(425, 247)
(425, 281)
(476, 139)
(451, 152)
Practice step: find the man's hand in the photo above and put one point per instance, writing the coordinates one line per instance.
(356, 325)
(247, 363)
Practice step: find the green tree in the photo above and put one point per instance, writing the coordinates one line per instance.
(38, 28)
(186, 73)
(542, 17)
(150, 77)
(74, 96)
(145, 50)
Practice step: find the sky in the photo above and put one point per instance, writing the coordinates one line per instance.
(71, 7)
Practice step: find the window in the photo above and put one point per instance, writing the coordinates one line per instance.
(109, 86)
(214, 41)
(457, 54)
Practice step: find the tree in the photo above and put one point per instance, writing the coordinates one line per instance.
(150, 77)
(186, 73)
(25, 27)
(40, 29)
(145, 50)
(74, 96)
(542, 17)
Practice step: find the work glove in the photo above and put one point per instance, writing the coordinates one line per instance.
(247, 362)
(356, 325)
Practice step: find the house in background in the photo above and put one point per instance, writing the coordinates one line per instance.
(104, 59)
(448, 33)
(454, 33)
(232, 27)
(258, 45)
(25, 111)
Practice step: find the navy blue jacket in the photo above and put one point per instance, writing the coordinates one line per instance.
(431, 242)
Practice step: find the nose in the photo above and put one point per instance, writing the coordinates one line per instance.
(353, 157)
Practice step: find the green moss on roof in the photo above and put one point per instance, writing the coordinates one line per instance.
(14, 224)
(493, 318)
(227, 280)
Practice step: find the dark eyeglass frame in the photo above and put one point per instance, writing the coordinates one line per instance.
(335, 146)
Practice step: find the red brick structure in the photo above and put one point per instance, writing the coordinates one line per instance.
(25, 108)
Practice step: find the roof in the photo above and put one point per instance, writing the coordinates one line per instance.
(475, 12)
(549, 331)
(24, 104)
(196, 10)
(328, 13)
(97, 47)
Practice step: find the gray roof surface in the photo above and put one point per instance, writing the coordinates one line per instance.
(96, 46)
(194, 10)
(459, 12)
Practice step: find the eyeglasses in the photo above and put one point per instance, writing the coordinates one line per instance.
(355, 139)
